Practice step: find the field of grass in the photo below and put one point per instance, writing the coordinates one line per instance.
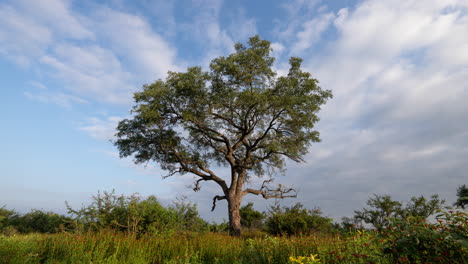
(112, 247)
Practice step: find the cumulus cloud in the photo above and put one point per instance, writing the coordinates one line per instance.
(132, 38)
(73, 47)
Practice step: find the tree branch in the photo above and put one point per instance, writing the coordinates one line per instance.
(217, 197)
(184, 166)
(267, 193)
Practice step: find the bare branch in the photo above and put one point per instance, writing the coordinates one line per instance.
(217, 197)
(267, 193)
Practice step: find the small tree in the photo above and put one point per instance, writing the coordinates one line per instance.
(187, 215)
(462, 197)
(421, 208)
(382, 209)
(239, 114)
(296, 220)
(6, 217)
(125, 213)
(251, 218)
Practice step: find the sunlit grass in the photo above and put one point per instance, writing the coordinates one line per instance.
(114, 247)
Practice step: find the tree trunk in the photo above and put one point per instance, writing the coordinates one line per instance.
(234, 215)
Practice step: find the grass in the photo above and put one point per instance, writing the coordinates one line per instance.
(181, 248)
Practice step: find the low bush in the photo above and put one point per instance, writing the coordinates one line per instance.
(416, 241)
(296, 220)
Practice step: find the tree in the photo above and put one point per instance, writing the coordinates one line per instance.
(462, 194)
(421, 208)
(238, 114)
(384, 209)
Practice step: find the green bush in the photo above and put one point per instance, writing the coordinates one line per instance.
(6, 216)
(296, 220)
(250, 218)
(415, 241)
(187, 217)
(38, 221)
(135, 215)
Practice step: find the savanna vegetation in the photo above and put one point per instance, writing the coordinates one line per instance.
(129, 229)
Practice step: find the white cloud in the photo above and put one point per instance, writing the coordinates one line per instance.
(311, 31)
(92, 72)
(38, 85)
(365, 52)
(400, 92)
(132, 38)
(241, 27)
(21, 38)
(60, 99)
(55, 14)
(163, 13)
(205, 28)
(297, 12)
(45, 33)
(103, 129)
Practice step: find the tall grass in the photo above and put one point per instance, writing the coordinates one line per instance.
(172, 248)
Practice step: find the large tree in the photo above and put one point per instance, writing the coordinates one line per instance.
(238, 114)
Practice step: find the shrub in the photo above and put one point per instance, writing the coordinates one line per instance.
(250, 218)
(6, 216)
(125, 213)
(41, 222)
(296, 220)
(415, 241)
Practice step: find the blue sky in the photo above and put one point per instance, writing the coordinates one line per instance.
(397, 123)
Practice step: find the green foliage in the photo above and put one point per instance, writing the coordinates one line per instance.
(296, 220)
(6, 217)
(219, 228)
(415, 241)
(32, 222)
(125, 213)
(187, 217)
(383, 209)
(41, 222)
(237, 108)
(462, 197)
(420, 208)
(250, 218)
